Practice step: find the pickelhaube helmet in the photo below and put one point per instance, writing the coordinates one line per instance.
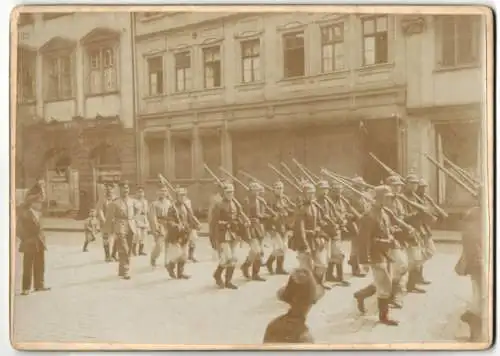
(422, 183)
(382, 191)
(278, 185)
(308, 188)
(411, 178)
(228, 187)
(358, 180)
(323, 184)
(394, 180)
(254, 187)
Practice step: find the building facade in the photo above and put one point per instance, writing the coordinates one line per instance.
(244, 90)
(75, 104)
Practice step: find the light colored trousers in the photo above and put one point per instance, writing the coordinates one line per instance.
(176, 252)
(336, 253)
(382, 279)
(140, 235)
(279, 243)
(160, 244)
(317, 260)
(255, 249)
(399, 268)
(428, 249)
(227, 254)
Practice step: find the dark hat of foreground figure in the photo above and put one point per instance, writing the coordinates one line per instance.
(301, 289)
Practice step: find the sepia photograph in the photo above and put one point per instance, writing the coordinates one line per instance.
(251, 177)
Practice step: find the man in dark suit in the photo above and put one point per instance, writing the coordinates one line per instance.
(32, 244)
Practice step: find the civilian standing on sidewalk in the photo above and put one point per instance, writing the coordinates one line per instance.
(32, 245)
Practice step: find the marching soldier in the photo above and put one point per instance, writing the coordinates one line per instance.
(180, 222)
(309, 238)
(255, 208)
(361, 204)
(416, 218)
(227, 228)
(376, 242)
(193, 235)
(283, 207)
(108, 240)
(120, 221)
(158, 222)
(142, 222)
(337, 255)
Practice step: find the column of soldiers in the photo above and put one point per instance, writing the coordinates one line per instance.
(127, 221)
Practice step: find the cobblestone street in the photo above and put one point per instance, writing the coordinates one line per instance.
(88, 303)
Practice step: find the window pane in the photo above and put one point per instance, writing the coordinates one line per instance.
(381, 49)
(326, 34)
(108, 58)
(95, 81)
(369, 48)
(94, 59)
(466, 34)
(209, 77)
(368, 27)
(381, 24)
(156, 157)
(66, 86)
(327, 55)
(256, 69)
(294, 40)
(183, 60)
(339, 56)
(110, 79)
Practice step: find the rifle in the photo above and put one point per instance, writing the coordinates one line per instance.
(457, 180)
(303, 170)
(256, 180)
(462, 173)
(266, 207)
(289, 171)
(243, 216)
(191, 215)
(285, 178)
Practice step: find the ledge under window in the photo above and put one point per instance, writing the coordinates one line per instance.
(55, 100)
(107, 93)
(293, 80)
(375, 68)
(440, 68)
(339, 74)
(26, 102)
(150, 97)
(251, 85)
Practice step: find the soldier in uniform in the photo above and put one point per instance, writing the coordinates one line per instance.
(92, 229)
(228, 229)
(33, 246)
(417, 219)
(255, 209)
(193, 235)
(278, 231)
(362, 204)
(310, 240)
(120, 221)
(376, 242)
(180, 222)
(158, 222)
(142, 222)
(102, 207)
(301, 293)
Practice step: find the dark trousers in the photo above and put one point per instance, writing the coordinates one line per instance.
(33, 268)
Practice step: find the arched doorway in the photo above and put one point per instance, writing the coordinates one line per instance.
(106, 167)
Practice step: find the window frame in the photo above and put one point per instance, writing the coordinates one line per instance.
(333, 42)
(101, 46)
(284, 49)
(204, 50)
(31, 62)
(256, 74)
(376, 35)
(156, 138)
(475, 22)
(163, 73)
(177, 67)
(58, 56)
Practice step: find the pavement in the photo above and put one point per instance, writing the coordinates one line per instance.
(71, 225)
(88, 304)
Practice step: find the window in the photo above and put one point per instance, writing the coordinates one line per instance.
(26, 80)
(102, 70)
(375, 38)
(156, 150)
(58, 71)
(294, 55)
(183, 71)
(332, 48)
(459, 44)
(212, 67)
(155, 70)
(250, 61)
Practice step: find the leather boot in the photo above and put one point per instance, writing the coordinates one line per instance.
(280, 262)
(269, 264)
(476, 328)
(141, 250)
(329, 273)
(356, 271)
(107, 256)
(412, 281)
(229, 276)
(171, 270)
(180, 271)
(383, 313)
(218, 276)
(245, 269)
(362, 294)
(396, 298)
(340, 275)
(85, 245)
(256, 270)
